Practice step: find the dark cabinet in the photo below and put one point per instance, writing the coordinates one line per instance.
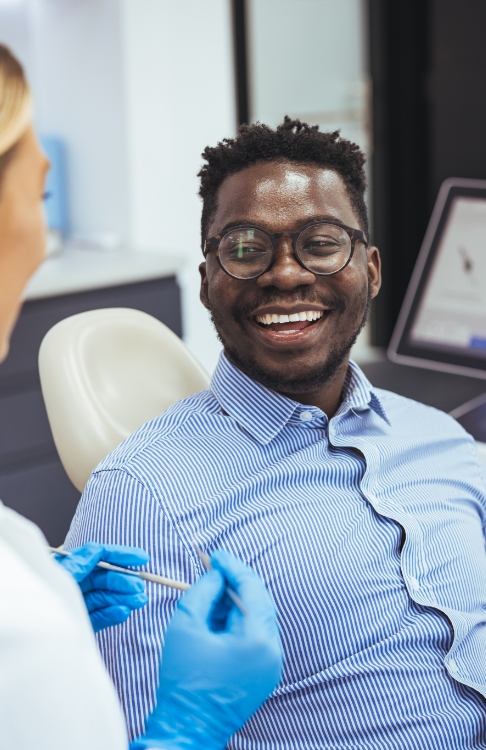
(32, 479)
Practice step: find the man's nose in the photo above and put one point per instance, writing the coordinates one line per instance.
(286, 272)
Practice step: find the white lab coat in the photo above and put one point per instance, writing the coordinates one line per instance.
(54, 691)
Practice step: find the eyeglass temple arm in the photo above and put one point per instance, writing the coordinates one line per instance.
(211, 242)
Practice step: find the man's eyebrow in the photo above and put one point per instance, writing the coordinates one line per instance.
(309, 220)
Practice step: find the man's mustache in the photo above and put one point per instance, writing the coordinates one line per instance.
(243, 310)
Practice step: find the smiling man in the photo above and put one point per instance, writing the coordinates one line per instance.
(302, 276)
(362, 511)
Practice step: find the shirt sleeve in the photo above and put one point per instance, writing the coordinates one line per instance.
(116, 508)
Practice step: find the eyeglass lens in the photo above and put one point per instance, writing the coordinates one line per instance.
(246, 252)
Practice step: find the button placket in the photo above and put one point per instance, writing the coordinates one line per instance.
(452, 666)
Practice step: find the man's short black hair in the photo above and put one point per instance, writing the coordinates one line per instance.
(292, 140)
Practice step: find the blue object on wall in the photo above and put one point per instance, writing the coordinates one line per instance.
(56, 184)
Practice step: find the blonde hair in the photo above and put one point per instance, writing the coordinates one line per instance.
(15, 100)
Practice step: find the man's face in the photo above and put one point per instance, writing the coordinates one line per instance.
(280, 196)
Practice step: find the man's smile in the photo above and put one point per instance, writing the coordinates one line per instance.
(288, 322)
(288, 326)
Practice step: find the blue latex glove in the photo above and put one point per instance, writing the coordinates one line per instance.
(218, 665)
(109, 597)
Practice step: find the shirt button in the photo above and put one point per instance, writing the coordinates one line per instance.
(452, 665)
(305, 416)
(414, 584)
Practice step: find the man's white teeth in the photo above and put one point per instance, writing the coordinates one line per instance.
(309, 315)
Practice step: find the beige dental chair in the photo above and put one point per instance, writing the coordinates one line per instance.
(103, 374)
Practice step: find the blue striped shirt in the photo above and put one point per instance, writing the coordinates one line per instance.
(367, 529)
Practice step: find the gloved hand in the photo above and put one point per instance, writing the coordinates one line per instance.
(218, 665)
(110, 597)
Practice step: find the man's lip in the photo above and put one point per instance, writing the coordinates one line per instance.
(286, 310)
(279, 340)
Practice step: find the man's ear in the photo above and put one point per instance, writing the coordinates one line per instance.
(374, 270)
(203, 292)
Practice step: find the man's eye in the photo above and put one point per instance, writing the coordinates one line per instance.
(245, 251)
(322, 246)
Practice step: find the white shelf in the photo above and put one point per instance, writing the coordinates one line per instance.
(78, 270)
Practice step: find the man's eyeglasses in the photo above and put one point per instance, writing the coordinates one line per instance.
(323, 248)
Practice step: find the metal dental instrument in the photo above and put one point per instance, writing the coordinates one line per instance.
(140, 574)
(204, 557)
(160, 579)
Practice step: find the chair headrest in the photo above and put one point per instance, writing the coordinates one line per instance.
(106, 372)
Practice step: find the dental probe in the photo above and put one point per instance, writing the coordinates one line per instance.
(204, 557)
(140, 574)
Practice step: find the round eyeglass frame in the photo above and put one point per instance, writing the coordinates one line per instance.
(355, 235)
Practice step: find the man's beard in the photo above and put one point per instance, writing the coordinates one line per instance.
(314, 378)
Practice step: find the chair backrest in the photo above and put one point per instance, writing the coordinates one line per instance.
(104, 373)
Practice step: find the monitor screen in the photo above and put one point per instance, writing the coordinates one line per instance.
(442, 324)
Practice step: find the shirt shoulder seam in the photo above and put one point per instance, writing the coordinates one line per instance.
(163, 510)
(123, 464)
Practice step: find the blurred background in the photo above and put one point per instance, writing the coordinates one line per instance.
(129, 92)
(134, 90)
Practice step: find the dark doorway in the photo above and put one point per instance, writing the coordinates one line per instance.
(428, 68)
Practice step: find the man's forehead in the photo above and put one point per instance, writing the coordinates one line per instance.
(270, 193)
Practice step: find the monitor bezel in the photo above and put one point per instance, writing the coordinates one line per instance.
(401, 349)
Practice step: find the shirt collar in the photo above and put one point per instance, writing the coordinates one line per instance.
(358, 393)
(263, 412)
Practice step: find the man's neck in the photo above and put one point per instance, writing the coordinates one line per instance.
(328, 396)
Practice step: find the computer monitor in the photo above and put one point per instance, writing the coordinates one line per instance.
(442, 323)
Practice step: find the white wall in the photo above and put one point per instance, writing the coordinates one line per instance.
(72, 53)
(137, 89)
(80, 93)
(308, 60)
(15, 29)
(179, 98)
